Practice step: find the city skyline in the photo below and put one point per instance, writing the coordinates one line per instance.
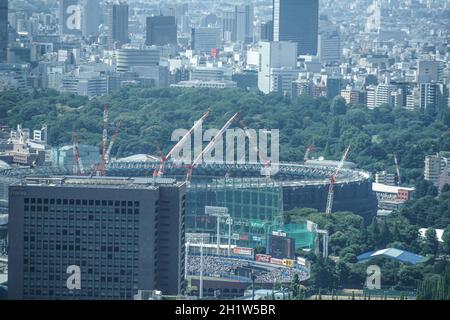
(214, 150)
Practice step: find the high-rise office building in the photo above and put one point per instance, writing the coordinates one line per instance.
(277, 66)
(244, 23)
(127, 58)
(3, 30)
(118, 24)
(297, 21)
(161, 30)
(229, 26)
(95, 238)
(88, 84)
(429, 71)
(330, 50)
(205, 39)
(90, 17)
(433, 95)
(267, 31)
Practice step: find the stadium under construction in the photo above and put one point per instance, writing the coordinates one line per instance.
(256, 204)
(254, 197)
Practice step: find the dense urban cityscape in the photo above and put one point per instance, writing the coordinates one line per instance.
(225, 150)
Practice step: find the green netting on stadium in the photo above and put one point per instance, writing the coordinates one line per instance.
(255, 205)
(304, 238)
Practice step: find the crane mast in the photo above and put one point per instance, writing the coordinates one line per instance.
(111, 144)
(308, 153)
(78, 163)
(333, 177)
(211, 145)
(397, 167)
(159, 171)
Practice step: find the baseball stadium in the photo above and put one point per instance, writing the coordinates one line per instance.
(254, 205)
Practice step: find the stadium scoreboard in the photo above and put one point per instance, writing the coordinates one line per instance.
(279, 246)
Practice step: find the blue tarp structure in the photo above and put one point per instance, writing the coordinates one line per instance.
(399, 255)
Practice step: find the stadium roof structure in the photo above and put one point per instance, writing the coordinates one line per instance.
(396, 254)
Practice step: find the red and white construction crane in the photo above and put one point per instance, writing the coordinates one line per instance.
(397, 166)
(111, 144)
(333, 181)
(308, 152)
(211, 145)
(159, 171)
(78, 167)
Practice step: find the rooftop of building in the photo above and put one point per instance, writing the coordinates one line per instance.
(100, 182)
(378, 187)
(392, 253)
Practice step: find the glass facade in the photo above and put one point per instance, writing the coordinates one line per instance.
(255, 205)
(297, 21)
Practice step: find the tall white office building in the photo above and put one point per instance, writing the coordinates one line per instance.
(277, 66)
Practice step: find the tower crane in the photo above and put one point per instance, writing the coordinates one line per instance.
(333, 181)
(159, 171)
(78, 163)
(211, 145)
(111, 144)
(397, 166)
(308, 152)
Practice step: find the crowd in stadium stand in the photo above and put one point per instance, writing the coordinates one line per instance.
(281, 275)
(214, 265)
(226, 267)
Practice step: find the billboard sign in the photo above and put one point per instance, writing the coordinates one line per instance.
(243, 237)
(263, 258)
(243, 251)
(216, 211)
(301, 261)
(277, 261)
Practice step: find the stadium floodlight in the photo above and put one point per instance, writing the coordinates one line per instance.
(219, 212)
(229, 223)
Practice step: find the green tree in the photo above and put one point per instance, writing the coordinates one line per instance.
(446, 240)
(323, 273)
(374, 232)
(295, 286)
(338, 106)
(385, 234)
(431, 243)
(446, 188)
